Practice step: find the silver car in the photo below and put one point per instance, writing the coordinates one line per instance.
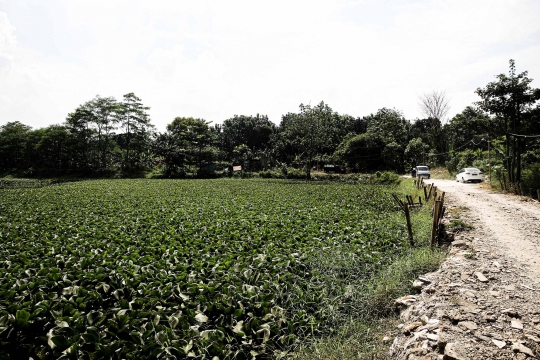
(423, 171)
(469, 175)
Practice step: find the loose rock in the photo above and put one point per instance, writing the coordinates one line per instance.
(481, 277)
(468, 325)
(517, 347)
(452, 352)
(516, 324)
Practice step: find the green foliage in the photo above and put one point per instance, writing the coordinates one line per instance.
(467, 158)
(472, 124)
(459, 225)
(531, 178)
(138, 268)
(365, 313)
(387, 178)
(362, 152)
(416, 152)
(514, 103)
(253, 131)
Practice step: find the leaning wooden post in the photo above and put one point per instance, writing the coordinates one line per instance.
(435, 223)
(405, 208)
(409, 226)
(430, 190)
(425, 193)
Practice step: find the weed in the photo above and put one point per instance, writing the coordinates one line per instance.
(459, 225)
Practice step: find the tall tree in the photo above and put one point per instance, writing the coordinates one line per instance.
(307, 132)
(103, 113)
(510, 98)
(52, 146)
(471, 124)
(435, 105)
(393, 129)
(194, 139)
(13, 140)
(363, 152)
(253, 131)
(135, 121)
(78, 124)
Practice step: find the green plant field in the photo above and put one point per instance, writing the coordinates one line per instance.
(223, 268)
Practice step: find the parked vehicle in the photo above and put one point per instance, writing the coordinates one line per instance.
(422, 171)
(469, 175)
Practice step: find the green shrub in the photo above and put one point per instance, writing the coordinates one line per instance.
(531, 178)
(386, 178)
(293, 173)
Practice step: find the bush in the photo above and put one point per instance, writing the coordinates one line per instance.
(270, 174)
(531, 178)
(386, 178)
(293, 173)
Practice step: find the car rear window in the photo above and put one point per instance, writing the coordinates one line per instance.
(423, 168)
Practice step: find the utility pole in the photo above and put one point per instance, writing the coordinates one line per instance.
(489, 160)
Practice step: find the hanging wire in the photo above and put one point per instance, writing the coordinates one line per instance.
(462, 146)
(523, 136)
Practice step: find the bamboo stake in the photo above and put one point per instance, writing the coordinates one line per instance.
(430, 190)
(435, 223)
(409, 226)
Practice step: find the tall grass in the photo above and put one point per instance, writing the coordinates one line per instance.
(362, 312)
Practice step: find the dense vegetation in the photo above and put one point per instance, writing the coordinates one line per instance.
(224, 267)
(106, 137)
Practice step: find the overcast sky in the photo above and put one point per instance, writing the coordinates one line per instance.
(215, 59)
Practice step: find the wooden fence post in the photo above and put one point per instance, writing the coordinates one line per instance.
(409, 226)
(405, 208)
(430, 190)
(435, 223)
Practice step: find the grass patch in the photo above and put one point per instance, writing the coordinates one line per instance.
(361, 307)
(459, 225)
(442, 173)
(363, 326)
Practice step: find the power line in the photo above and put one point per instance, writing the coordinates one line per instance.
(523, 136)
(462, 146)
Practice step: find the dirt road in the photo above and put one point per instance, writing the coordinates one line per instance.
(484, 301)
(512, 221)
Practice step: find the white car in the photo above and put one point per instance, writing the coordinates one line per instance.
(469, 175)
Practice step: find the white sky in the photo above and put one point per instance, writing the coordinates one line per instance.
(215, 59)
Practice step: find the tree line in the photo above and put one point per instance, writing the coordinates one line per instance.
(105, 136)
